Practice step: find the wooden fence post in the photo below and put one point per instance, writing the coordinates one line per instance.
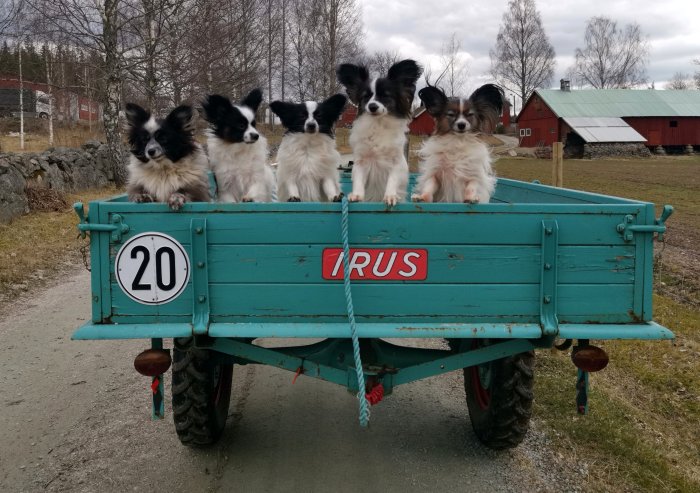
(558, 164)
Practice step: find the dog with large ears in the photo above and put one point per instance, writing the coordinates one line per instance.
(237, 151)
(307, 159)
(456, 165)
(378, 134)
(166, 163)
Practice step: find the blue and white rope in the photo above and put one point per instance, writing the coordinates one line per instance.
(364, 405)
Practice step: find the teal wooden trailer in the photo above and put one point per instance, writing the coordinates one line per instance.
(535, 266)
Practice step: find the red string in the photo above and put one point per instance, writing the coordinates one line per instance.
(375, 395)
(154, 385)
(299, 371)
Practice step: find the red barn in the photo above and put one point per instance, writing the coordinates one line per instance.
(348, 116)
(655, 118)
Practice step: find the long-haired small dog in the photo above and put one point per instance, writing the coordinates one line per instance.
(378, 134)
(237, 152)
(166, 163)
(307, 159)
(456, 165)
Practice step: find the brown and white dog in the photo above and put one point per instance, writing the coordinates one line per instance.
(456, 165)
(166, 164)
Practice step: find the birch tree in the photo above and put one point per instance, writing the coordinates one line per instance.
(612, 57)
(523, 58)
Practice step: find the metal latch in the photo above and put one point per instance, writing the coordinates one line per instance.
(627, 229)
(117, 227)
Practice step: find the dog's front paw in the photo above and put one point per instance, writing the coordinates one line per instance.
(142, 198)
(247, 199)
(355, 197)
(338, 197)
(417, 197)
(391, 200)
(472, 201)
(293, 199)
(176, 201)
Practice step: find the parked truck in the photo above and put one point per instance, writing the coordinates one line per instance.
(36, 103)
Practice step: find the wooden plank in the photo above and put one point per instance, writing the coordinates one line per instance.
(455, 264)
(386, 228)
(420, 303)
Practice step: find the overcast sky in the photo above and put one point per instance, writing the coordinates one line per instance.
(418, 28)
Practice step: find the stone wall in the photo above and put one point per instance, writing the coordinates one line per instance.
(600, 150)
(60, 168)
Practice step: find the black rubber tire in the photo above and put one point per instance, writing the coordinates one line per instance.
(201, 396)
(502, 421)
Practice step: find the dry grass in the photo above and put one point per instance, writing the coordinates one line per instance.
(36, 137)
(35, 246)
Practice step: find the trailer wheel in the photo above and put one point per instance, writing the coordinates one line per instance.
(201, 395)
(499, 399)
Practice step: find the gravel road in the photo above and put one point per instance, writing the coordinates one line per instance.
(75, 417)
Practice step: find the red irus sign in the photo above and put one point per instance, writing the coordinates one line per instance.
(377, 264)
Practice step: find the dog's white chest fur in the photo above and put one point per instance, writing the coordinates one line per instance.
(378, 147)
(304, 163)
(241, 170)
(456, 162)
(162, 178)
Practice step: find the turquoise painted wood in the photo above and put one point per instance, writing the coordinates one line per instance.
(485, 268)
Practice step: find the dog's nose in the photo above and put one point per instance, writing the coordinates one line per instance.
(461, 125)
(254, 137)
(372, 107)
(151, 152)
(311, 127)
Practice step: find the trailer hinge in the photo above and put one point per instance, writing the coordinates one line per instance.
(117, 227)
(200, 277)
(548, 283)
(627, 229)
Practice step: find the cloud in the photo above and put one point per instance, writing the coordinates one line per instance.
(418, 29)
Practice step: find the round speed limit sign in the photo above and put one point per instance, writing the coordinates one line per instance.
(152, 268)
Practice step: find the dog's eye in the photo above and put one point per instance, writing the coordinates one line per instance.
(252, 124)
(242, 126)
(451, 114)
(470, 114)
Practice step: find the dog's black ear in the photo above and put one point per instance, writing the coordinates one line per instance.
(434, 100)
(333, 106)
(285, 111)
(487, 102)
(182, 117)
(406, 74)
(136, 115)
(354, 78)
(253, 100)
(215, 108)
(406, 71)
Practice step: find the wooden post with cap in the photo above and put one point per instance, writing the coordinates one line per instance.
(558, 164)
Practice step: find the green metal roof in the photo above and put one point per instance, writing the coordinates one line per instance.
(621, 102)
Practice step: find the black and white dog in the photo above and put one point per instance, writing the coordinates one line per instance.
(237, 152)
(378, 134)
(456, 165)
(166, 163)
(307, 159)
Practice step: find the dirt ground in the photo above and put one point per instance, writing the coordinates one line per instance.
(76, 417)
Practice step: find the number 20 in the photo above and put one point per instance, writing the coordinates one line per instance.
(137, 285)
